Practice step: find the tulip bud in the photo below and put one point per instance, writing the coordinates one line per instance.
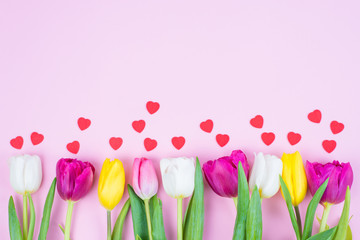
(178, 176)
(111, 183)
(74, 178)
(25, 173)
(145, 181)
(222, 174)
(265, 174)
(340, 176)
(294, 176)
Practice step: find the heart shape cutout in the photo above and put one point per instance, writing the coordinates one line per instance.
(329, 145)
(73, 147)
(84, 123)
(257, 121)
(36, 138)
(268, 138)
(315, 116)
(115, 142)
(150, 144)
(207, 126)
(138, 125)
(152, 107)
(17, 142)
(178, 142)
(336, 127)
(222, 139)
(293, 138)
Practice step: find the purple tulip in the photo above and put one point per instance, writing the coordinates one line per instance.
(222, 174)
(74, 178)
(340, 176)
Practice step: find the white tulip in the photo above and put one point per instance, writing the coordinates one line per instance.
(25, 173)
(265, 174)
(178, 176)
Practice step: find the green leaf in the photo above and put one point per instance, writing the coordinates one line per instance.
(287, 197)
(342, 226)
(194, 216)
(47, 211)
(138, 237)
(118, 227)
(348, 233)
(157, 222)
(310, 213)
(138, 215)
(14, 224)
(254, 217)
(242, 205)
(326, 235)
(32, 218)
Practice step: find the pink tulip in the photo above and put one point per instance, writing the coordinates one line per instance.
(145, 181)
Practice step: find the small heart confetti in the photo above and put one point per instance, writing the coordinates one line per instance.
(293, 138)
(268, 138)
(329, 145)
(115, 142)
(83, 123)
(17, 142)
(36, 138)
(315, 116)
(73, 147)
(207, 126)
(150, 144)
(257, 121)
(178, 142)
(222, 139)
(336, 127)
(152, 107)
(138, 125)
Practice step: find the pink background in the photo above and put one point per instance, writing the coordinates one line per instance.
(223, 60)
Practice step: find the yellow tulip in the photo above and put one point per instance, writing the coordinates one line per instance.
(111, 183)
(294, 176)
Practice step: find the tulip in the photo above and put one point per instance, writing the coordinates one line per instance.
(340, 176)
(111, 187)
(74, 180)
(222, 174)
(265, 174)
(295, 179)
(145, 184)
(178, 176)
(25, 178)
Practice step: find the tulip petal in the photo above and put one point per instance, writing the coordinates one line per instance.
(147, 179)
(32, 173)
(17, 168)
(83, 183)
(258, 172)
(345, 179)
(270, 182)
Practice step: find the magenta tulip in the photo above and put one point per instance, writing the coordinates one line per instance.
(74, 178)
(145, 181)
(340, 176)
(222, 174)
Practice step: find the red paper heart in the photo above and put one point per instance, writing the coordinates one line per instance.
(152, 107)
(17, 142)
(73, 147)
(329, 145)
(83, 123)
(336, 127)
(207, 126)
(178, 142)
(115, 142)
(268, 138)
(222, 139)
(138, 125)
(293, 138)
(150, 144)
(315, 116)
(36, 138)
(257, 121)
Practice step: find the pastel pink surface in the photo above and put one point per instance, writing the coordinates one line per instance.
(226, 61)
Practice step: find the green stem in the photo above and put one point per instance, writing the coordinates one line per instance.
(235, 201)
(108, 225)
(25, 217)
(179, 219)
(298, 219)
(68, 219)
(327, 207)
(148, 219)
